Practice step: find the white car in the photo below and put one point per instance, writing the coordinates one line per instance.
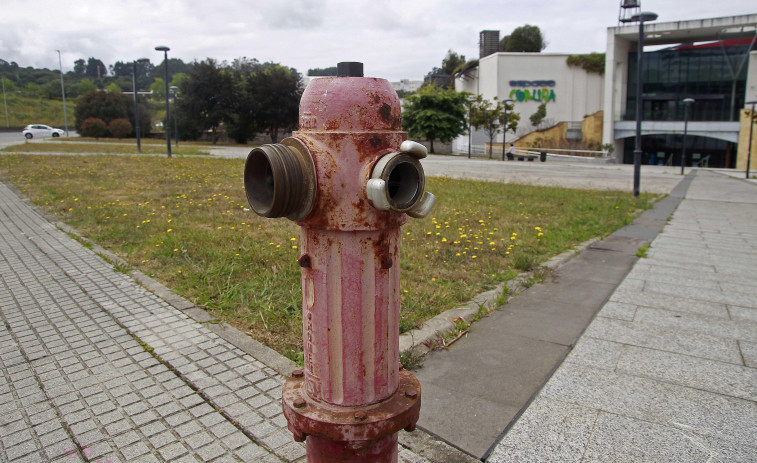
(41, 131)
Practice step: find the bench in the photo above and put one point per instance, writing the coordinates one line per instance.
(523, 155)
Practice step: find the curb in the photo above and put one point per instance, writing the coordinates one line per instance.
(420, 341)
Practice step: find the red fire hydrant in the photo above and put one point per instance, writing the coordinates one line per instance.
(349, 178)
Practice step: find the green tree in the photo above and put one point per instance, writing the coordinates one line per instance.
(113, 88)
(95, 69)
(80, 67)
(450, 63)
(177, 79)
(435, 113)
(108, 106)
(158, 88)
(85, 86)
(538, 117)
(490, 116)
(331, 71)
(276, 92)
(526, 38)
(207, 98)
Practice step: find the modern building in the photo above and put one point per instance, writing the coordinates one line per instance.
(530, 79)
(707, 60)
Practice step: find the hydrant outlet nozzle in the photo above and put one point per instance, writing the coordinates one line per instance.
(280, 181)
(397, 182)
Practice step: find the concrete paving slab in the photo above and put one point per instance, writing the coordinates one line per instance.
(673, 303)
(619, 438)
(470, 408)
(689, 325)
(561, 429)
(713, 415)
(648, 333)
(749, 352)
(705, 374)
(596, 353)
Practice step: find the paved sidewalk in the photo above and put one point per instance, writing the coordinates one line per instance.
(668, 369)
(96, 368)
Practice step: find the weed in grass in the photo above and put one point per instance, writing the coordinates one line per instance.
(81, 241)
(411, 360)
(502, 298)
(536, 277)
(117, 266)
(186, 222)
(642, 252)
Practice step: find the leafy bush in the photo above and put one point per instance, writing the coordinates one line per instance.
(93, 127)
(108, 106)
(590, 62)
(120, 127)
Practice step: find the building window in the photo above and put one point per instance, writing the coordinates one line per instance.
(698, 71)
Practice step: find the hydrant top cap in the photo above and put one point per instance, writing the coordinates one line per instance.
(349, 69)
(356, 104)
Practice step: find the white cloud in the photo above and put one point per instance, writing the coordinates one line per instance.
(395, 39)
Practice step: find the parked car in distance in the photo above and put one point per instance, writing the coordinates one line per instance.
(41, 131)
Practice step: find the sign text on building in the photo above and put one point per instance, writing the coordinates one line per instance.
(534, 93)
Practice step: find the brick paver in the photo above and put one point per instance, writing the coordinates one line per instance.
(79, 383)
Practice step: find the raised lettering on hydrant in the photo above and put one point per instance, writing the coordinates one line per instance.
(349, 178)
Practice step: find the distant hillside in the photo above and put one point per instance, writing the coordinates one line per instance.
(25, 110)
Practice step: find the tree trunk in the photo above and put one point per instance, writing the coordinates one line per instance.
(431, 141)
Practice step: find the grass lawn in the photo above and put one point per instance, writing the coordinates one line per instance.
(112, 146)
(185, 221)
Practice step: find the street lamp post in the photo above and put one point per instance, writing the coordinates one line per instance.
(63, 92)
(504, 128)
(641, 17)
(174, 92)
(751, 126)
(165, 50)
(687, 104)
(136, 103)
(5, 103)
(470, 123)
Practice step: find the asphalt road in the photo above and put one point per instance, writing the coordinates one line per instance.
(14, 138)
(554, 172)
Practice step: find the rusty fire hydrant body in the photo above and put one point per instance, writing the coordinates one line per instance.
(354, 184)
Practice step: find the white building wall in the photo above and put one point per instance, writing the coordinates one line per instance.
(577, 92)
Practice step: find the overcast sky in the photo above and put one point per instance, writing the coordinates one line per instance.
(394, 39)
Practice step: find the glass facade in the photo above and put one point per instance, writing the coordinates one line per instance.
(665, 150)
(698, 71)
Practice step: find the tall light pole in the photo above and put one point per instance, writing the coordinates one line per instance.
(470, 123)
(174, 92)
(751, 126)
(63, 92)
(165, 50)
(687, 104)
(136, 102)
(641, 17)
(504, 128)
(7, 123)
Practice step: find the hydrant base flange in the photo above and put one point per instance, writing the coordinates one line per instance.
(307, 417)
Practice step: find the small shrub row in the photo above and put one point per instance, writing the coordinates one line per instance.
(97, 128)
